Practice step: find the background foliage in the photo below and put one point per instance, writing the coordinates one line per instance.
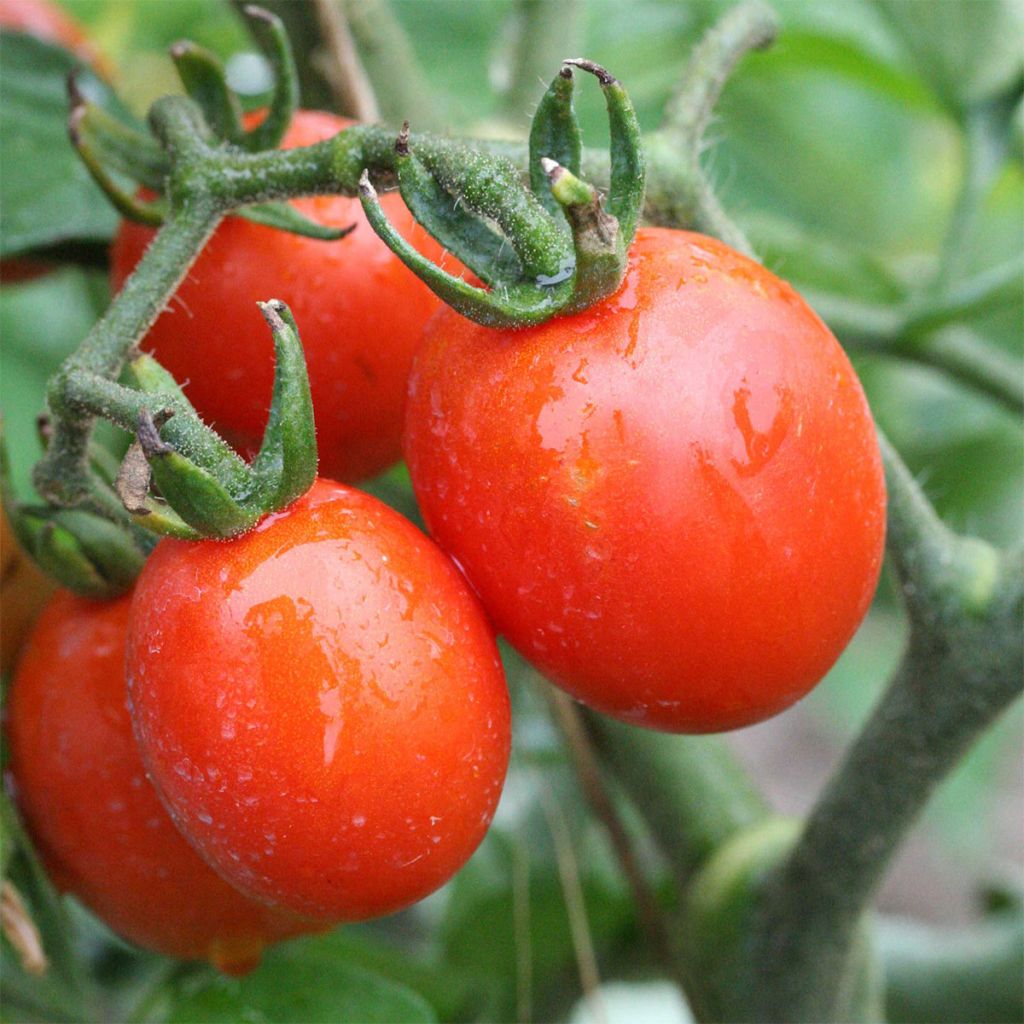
(841, 152)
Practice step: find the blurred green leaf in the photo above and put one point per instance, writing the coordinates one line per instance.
(508, 923)
(301, 981)
(969, 50)
(46, 193)
(40, 323)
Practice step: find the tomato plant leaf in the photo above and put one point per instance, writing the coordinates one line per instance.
(295, 983)
(46, 193)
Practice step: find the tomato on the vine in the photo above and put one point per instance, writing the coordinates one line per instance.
(99, 826)
(321, 705)
(359, 310)
(673, 502)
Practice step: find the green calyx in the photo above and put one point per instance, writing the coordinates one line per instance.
(110, 149)
(541, 253)
(82, 550)
(180, 479)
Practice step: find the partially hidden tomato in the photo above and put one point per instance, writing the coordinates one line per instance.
(24, 590)
(673, 502)
(321, 705)
(100, 827)
(50, 22)
(360, 313)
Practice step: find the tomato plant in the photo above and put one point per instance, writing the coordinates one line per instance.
(98, 823)
(672, 503)
(361, 312)
(669, 495)
(321, 705)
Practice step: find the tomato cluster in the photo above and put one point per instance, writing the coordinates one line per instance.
(672, 503)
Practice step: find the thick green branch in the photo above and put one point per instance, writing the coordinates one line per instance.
(960, 672)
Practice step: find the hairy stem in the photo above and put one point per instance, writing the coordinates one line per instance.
(961, 670)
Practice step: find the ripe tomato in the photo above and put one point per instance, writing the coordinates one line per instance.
(673, 502)
(98, 823)
(321, 705)
(360, 313)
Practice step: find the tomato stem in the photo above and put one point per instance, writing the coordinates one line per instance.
(689, 197)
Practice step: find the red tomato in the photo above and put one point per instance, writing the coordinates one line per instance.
(321, 705)
(673, 502)
(359, 310)
(99, 825)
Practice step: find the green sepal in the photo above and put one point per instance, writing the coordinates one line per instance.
(460, 197)
(158, 518)
(84, 552)
(284, 217)
(121, 147)
(486, 253)
(197, 496)
(285, 466)
(516, 305)
(124, 201)
(597, 239)
(185, 430)
(109, 547)
(491, 187)
(269, 33)
(554, 135)
(202, 75)
(58, 554)
(628, 168)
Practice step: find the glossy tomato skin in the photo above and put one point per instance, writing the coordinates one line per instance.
(360, 314)
(98, 823)
(321, 705)
(673, 502)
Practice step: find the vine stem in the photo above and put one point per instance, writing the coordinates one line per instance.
(961, 670)
(748, 26)
(692, 791)
(569, 719)
(343, 68)
(63, 474)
